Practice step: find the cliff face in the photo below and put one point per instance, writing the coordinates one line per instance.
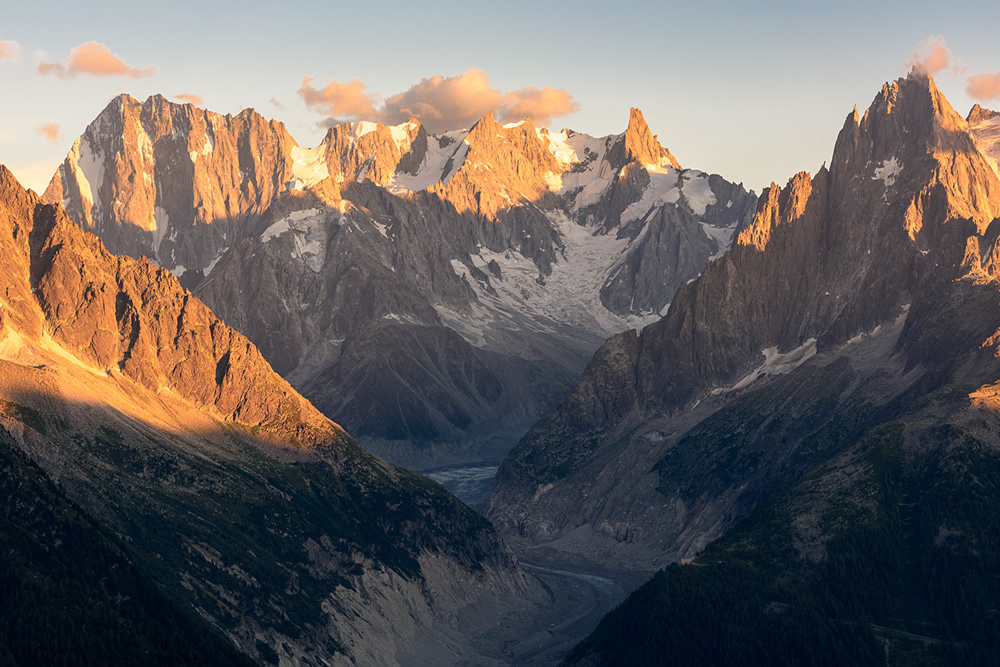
(172, 182)
(903, 211)
(225, 487)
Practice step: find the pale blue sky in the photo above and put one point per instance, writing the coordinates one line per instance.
(754, 93)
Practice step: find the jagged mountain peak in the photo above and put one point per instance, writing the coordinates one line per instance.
(979, 114)
(918, 107)
(904, 208)
(486, 121)
(365, 150)
(911, 133)
(639, 144)
(778, 206)
(10, 187)
(498, 166)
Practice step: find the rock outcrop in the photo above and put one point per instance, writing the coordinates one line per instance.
(985, 128)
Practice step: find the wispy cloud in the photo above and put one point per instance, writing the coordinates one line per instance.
(50, 131)
(984, 86)
(191, 98)
(275, 103)
(10, 51)
(930, 56)
(95, 59)
(439, 102)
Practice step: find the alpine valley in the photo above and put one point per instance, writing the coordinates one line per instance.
(436, 295)
(781, 412)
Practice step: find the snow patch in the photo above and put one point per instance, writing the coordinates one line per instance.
(382, 229)
(87, 165)
(723, 237)
(361, 128)
(887, 171)
(365, 168)
(431, 170)
(308, 236)
(697, 191)
(458, 159)
(775, 363)
(205, 150)
(401, 135)
(145, 144)
(161, 222)
(211, 265)
(553, 181)
(309, 165)
(662, 189)
(560, 145)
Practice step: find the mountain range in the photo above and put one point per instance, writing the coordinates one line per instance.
(782, 408)
(435, 294)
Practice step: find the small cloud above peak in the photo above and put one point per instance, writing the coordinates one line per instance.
(440, 103)
(9, 51)
(50, 131)
(984, 86)
(338, 98)
(930, 56)
(190, 98)
(95, 59)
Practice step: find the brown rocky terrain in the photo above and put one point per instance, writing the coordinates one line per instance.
(839, 276)
(172, 182)
(224, 487)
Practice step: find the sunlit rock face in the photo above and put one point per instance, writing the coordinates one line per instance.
(125, 398)
(898, 231)
(436, 294)
(172, 182)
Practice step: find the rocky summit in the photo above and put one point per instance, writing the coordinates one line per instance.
(217, 516)
(852, 294)
(435, 294)
(800, 442)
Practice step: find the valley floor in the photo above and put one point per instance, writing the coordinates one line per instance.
(560, 610)
(564, 602)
